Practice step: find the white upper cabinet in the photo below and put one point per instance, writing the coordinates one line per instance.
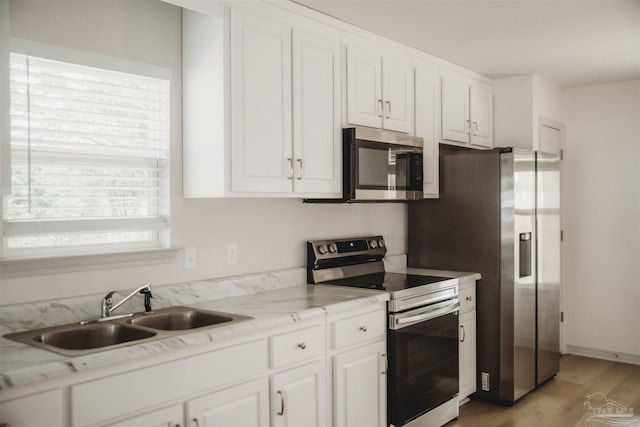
(379, 87)
(481, 107)
(261, 154)
(467, 110)
(261, 104)
(285, 107)
(427, 122)
(397, 94)
(364, 88)
(316, 113)
(264, 100)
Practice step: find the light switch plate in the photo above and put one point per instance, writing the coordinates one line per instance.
(232, 253)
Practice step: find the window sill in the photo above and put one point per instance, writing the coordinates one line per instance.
(22, 267)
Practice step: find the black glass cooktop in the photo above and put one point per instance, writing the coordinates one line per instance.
(390, 282)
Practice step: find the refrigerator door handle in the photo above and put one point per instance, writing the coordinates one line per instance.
(526, 259)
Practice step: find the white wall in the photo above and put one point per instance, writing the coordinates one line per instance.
(602, 220)
(270, 233)
(519, 102)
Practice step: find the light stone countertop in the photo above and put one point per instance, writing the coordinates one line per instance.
(273, 299)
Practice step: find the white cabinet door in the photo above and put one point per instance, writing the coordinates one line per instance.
(298, 397)
(243, 405)
(364, 87)
(455, 110)
(467, 355)
(261, 159)
(316, 113)
(481, 115)
(171, 416)
(360, 387)
(42, 409)
(427, 123)
(396, 92)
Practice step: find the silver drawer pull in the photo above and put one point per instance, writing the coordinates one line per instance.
(363, 328)
(302, 345)
(281, 412)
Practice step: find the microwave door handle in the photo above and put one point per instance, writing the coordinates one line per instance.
(426, 316)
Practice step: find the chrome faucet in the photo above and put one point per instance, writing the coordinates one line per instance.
(107, 302)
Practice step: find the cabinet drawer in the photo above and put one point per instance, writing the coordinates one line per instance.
(297, 345)
(467, 299)
(357, 329)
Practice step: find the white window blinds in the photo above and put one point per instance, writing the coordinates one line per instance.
(89, 159)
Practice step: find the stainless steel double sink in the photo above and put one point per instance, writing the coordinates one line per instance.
(87, 337)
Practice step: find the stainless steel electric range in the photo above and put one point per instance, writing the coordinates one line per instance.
(422, 344)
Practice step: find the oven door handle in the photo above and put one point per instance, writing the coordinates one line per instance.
(400, 322)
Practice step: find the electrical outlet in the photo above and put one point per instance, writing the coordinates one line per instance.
(190, 258)
(485, 381)
(232, 253)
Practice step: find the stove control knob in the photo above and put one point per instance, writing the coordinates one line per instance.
(322, 249)
(373, 244)
(381, 243)
(333, 248)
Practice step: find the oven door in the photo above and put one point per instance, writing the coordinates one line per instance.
(423, 360)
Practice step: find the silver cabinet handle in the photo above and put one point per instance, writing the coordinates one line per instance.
(281, 412)
(388, 113)
(463, 333)
(363, 328)
(386, 364)
(468, 298)
(380, 108)
(475, 126)
(299, 168)
(302, 345)
(195, 420)
(290, 161)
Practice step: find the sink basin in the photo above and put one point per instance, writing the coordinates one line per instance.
(76, 338)
(95, 335)
(82, 338)
(180, 319)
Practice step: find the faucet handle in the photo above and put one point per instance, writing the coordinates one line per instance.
(147, 298)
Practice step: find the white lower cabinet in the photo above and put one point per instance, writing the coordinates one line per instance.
(359, 364)
(360, 386)
(298, 396)
(42, 409)
(277, 379)
(467, 341)
(243, 405)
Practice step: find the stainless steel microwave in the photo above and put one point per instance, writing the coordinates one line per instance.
(379, 165)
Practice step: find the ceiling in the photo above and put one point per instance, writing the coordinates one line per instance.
(568, 42)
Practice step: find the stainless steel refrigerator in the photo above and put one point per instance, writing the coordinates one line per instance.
(499, 214)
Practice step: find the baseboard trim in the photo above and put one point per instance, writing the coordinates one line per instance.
(634, 359)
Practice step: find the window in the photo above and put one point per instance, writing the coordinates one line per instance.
(89, 160)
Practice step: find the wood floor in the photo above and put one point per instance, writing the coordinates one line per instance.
(560, 402)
